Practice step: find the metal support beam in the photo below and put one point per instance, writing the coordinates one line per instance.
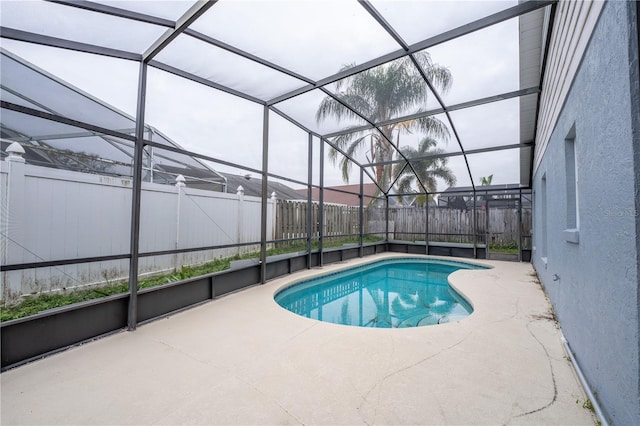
(487, 231)
(341, 151)
(198, 156)
(321, 206)
(73, 135)
(29, 99)
(229, 48)
(386, 218)
(184, 74)
(406, 163)
(383, 22)
(132, 318)
(426, 225)
(116, 11)
(455, 154)
(361, 214)
(309, 199)
(295, 122)
(475, 228)
(64, 120)
(520, 226)
(61, 43)
(501, 16)
(265, 196)
(194, 12)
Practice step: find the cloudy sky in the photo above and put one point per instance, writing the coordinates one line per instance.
(311, 38)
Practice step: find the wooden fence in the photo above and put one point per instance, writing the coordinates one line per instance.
(500, 224)
(291, 219)
(405, 223)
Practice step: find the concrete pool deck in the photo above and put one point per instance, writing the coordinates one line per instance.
(241, 359)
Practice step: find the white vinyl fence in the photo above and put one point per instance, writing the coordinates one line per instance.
(50, 214)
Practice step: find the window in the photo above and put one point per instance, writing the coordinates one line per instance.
(571, 175)
(543, 207)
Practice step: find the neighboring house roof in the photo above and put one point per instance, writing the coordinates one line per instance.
(332, 194)
(461, 197)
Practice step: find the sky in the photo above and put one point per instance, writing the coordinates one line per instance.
(311, 38)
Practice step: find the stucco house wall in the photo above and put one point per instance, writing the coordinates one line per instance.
(590, 269)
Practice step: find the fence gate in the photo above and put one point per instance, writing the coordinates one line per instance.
(503, 229)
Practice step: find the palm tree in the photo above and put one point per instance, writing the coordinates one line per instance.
(380, 94)
(486, 181)
(427, 169)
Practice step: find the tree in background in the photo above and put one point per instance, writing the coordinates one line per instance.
(380, 94)
(429, 168)
(486, 181)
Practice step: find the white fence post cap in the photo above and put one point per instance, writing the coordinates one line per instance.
(15, 151)
(180, 181)
(273, 196)
(240, 190)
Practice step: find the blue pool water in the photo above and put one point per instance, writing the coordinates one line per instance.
(394, 293)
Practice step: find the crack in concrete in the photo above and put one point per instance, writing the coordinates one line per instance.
(380, 383)
(300, 333)
(180, 351)
(268, 397)
(553, 376)
(441, 409)
(393, 351)
(515, 314)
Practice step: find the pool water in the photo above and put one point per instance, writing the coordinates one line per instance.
(395, 293)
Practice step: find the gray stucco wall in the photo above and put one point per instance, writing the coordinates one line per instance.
(593, 285)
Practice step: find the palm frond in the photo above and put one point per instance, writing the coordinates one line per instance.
(404, 185)
(432, 127)
(329, 107)
(349, 145)
(357, 102)
(439, 75)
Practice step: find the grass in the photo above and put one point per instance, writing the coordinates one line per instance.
(33, 304)
(511, 248)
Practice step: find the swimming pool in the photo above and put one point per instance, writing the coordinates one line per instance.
(392, 293)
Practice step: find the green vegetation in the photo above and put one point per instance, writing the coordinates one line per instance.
(486, 181)
(31, 305)
(511, 248)
(329, 242)
(587, 405)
